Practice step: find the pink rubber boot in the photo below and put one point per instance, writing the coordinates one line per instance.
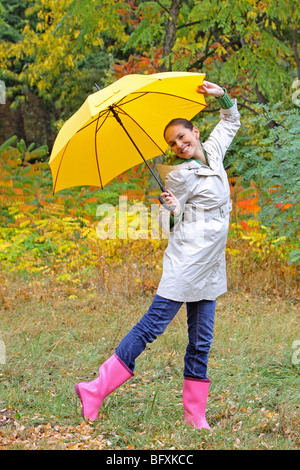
(195, 393)
(112, 374)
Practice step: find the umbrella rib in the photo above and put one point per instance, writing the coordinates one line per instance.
(143, 130)
(169, 94)
(157, 93)
(121, 102)
(117, 117)
(92, 122)
(96, 151)
(97, 161)
(137, 97)
(60, 166)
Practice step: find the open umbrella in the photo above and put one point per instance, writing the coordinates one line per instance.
(120, 124)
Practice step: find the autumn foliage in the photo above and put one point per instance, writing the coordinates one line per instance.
(56, 235)
(53, 53)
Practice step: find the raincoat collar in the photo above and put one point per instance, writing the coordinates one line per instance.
(181, 164)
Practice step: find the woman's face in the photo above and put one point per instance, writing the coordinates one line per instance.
(184, 142)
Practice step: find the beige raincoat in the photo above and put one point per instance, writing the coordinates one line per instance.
(194, 265)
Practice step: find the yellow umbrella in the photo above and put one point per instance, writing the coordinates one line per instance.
(120, 124)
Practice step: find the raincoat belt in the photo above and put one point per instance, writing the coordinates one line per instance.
(221, 211)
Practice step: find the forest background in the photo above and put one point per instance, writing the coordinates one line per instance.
(52, 54)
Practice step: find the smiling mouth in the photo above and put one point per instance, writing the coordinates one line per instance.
(185, 149)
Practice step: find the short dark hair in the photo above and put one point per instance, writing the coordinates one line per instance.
(180, 121)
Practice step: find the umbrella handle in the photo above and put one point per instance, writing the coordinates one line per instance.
(169, 208)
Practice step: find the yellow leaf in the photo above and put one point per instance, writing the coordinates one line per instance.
(25, 223)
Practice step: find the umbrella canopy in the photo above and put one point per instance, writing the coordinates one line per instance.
(121, 123)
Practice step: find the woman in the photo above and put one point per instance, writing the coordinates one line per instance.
(194, 268)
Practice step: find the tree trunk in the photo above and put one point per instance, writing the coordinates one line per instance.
(263, 100)
(20, 127)
(170, 36)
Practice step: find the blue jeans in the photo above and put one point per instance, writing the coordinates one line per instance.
(200, 320)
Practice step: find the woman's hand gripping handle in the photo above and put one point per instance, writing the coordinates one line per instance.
(170, 202)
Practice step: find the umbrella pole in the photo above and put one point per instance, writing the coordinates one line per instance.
(169, 208)
(145, 161)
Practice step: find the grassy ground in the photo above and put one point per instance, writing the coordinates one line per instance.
(56, 335)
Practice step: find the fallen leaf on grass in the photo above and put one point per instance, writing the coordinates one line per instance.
(48, 436)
